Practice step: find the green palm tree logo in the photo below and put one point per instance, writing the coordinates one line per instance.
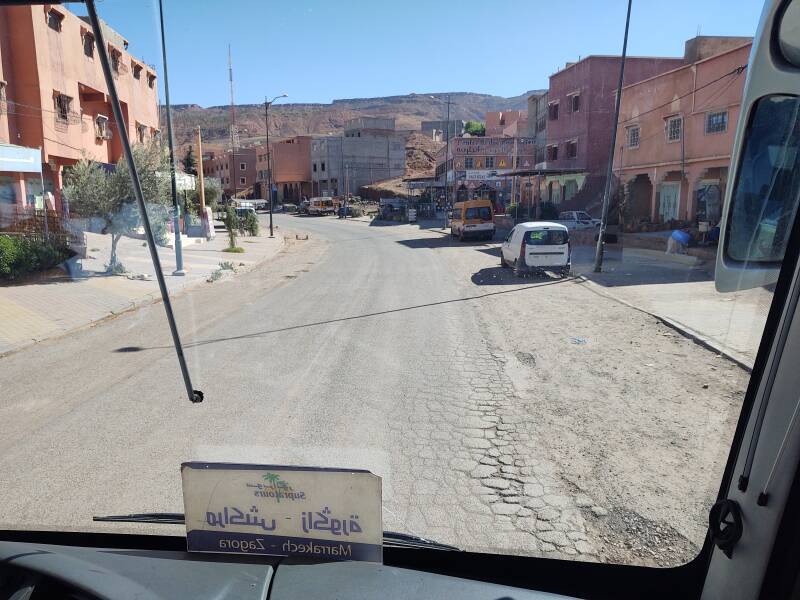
(273, 479)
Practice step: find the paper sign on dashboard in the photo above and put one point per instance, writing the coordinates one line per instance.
(313, 512)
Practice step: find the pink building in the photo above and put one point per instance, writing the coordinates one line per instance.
(676, 133)
(580, 119)
(53, 96)
(509, 123)
(291, 164)
(236, 171)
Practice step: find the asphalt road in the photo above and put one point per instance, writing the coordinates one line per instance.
(392, 349)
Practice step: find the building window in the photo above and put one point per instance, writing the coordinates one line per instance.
(242, 166)
(115, 56)
(541, 123)
(489, 162)
(574, 103)
(242, 181)
(54, 19)
(141, 132)
(63, 104)
(552, 152)
(539, 156)
(572, 149)
(674, 127)
(314, 167)
(3, 100)
(137, 70)
(151, 80)
(323, 166)
(633, 136)
(88, 44)
(101, 129)
(717, 122)
(468, 163)
(552, 111)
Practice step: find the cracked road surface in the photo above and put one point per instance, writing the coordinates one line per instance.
(506, 415)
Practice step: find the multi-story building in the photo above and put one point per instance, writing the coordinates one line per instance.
(362, 156)
(236, 170)
(478, 167)
(508, 123)
(537, 121)
(291, 169)
(676, 132)
(53, 97)
(580, 120)
(438, 129)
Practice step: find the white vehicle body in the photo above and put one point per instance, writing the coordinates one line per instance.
(320, 206)
(537, 246)
(577, 220)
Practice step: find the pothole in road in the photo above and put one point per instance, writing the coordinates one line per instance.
(526, 358)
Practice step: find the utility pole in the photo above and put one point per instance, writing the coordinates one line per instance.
(598, 256)
(447, 164)
(202, 184)
(176, 211)
(232, 160)
(267, 104)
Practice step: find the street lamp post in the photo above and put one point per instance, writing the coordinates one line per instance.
(267, 104)
(446, 158)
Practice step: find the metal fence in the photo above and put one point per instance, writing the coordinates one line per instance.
(37, 224)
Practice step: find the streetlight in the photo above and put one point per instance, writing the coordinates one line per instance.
(446, 158)
(267, 104)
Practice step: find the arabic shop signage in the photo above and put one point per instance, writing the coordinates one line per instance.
(493, 146)
(332, 514)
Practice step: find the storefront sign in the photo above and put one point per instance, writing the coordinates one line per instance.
(20, 159)
(314, 512)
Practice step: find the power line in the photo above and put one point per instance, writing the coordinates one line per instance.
(737, 71)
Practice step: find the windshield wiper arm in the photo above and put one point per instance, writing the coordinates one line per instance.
(407, 540)
(157, 517)
(390, 538)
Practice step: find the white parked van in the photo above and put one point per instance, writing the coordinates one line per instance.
(537, 246)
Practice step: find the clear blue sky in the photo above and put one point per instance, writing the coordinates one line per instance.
(318, 50)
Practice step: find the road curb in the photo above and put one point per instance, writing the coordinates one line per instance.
(147, 299)
(686, 331)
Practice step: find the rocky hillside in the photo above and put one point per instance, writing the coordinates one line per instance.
(288, 119)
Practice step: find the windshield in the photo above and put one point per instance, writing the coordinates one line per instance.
(546, 237)
(512, 403)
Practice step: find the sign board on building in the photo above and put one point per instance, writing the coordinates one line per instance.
(494, 146)
(20, 159)
(485, 174)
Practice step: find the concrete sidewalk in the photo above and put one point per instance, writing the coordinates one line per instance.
(680, 291)
(53, 303)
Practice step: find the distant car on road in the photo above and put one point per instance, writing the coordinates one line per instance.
(473, 218)
(320, 206)
(577, 220)
(537, 246)
(261, 204)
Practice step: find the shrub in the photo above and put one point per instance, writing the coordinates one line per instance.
(234, 249)
(8, 255)
(19, 255)
(227, 265)
(231, 222)
(251, 223)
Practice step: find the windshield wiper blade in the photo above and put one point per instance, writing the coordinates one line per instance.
(157, 517)
(407, 540)
(390, 538)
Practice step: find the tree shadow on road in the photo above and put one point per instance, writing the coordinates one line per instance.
(505, 276)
